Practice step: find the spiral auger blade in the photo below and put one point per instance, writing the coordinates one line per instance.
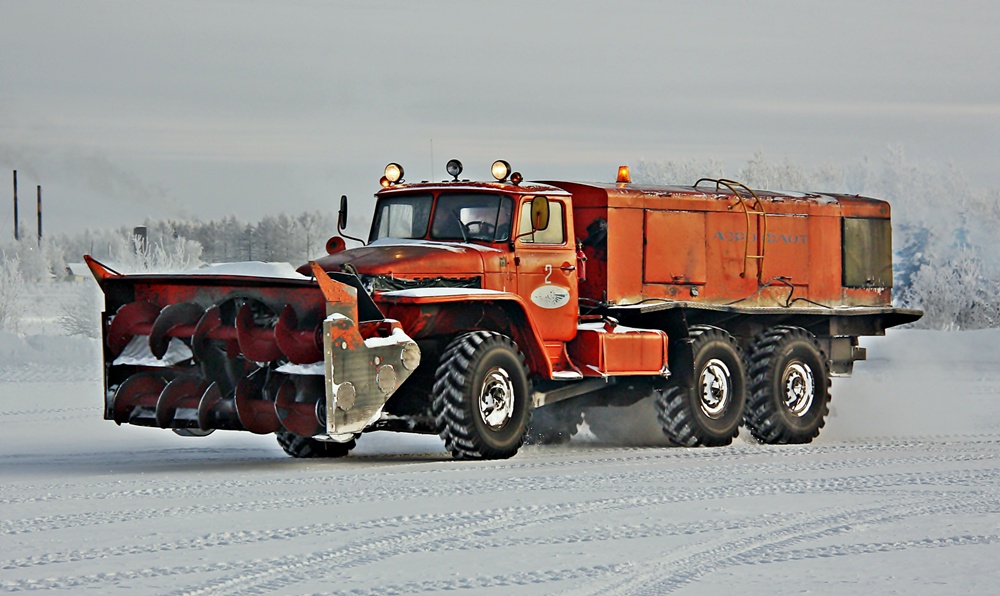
(254, 401)
(300, 405)
(216, 411)
(258, 354)
(134, 401)
(257, 343)
(175, 320)
(177, 405)
(300, 346)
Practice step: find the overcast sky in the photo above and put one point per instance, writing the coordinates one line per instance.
(128, 110)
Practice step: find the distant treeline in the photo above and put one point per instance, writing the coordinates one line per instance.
(173, 244)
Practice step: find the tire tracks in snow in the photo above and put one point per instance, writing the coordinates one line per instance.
(668, 573)
(58, 492)
(287, 571)
(490, 529)
(482, 530)
(70, 412)
(376, 489)
(581, 484)
(443, 527)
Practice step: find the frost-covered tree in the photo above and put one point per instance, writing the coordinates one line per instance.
(35, 259)
(282, 238)
(133, 255)
(273, 238)
(82, 315)
(683, 172)
(12, 286)
(961, 293)
(313, 230)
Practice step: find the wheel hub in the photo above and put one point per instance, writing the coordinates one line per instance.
(716, 384)
(800, 388)
(496, 399)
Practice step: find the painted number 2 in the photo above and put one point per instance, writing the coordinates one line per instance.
(548, 273)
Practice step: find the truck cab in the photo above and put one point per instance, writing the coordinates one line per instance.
(495, 225)
(485, 241)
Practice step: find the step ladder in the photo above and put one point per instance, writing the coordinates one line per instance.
(745, 195)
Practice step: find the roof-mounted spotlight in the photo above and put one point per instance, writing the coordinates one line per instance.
(516, 178)
(624, 177)
(394, 173)
(500, 170)
(454, 168)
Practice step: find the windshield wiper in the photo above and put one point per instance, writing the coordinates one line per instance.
(461, 226)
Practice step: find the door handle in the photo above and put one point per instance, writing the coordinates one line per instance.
(567, 268)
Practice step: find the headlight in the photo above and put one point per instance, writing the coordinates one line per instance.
(500, 169)
(394, 173)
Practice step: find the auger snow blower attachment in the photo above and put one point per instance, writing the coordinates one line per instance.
(310, 359)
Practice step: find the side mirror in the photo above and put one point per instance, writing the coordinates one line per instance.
(342, 214)
(333, 246)
(539, 213)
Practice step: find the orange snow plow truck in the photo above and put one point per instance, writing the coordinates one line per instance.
(495, 312)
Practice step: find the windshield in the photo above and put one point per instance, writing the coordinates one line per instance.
(458, 216)
(472, 216)
(402, 217)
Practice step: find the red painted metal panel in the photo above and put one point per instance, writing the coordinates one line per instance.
(624, 255)
(726, 257)
(547, 276)
(787, 249)
(675, 247)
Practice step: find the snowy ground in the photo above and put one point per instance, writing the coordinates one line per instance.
(900, 495)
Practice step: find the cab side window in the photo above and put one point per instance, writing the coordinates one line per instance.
(555, 233)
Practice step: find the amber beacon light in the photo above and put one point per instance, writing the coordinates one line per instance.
(623, 175)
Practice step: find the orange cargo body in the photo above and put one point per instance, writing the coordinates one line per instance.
(709, 246)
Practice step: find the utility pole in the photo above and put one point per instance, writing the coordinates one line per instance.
(16, 235)
(39, 216)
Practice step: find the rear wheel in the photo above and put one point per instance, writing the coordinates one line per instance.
(709, 413)
(305, 447)
(789, 387)
(482, 396)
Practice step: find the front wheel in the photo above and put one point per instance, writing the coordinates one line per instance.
(789, 387)
(482, 397)
(709, 413)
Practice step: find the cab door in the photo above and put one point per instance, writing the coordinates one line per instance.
(545, 262)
